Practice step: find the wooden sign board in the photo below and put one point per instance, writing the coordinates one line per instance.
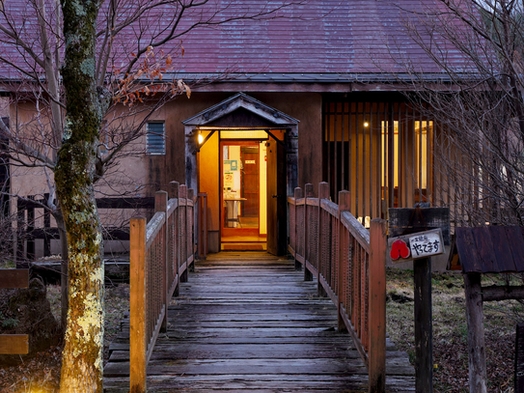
(14, 344)
(416, 245)
(404, 221)
(14, 278)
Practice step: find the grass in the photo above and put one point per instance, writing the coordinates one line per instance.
(450, 330)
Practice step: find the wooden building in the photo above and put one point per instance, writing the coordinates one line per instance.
(312, 92)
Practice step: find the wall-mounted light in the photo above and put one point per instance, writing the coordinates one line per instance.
(200, 138)
(366, 124)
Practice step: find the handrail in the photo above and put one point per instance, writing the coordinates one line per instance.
(161, 251)
(349, 264)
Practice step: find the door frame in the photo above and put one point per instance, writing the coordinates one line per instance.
(224, 231)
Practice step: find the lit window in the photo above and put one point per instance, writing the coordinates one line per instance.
(156, 138)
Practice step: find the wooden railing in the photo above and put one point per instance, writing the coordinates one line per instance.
(34, 222)
(161, 252)
(349, 263)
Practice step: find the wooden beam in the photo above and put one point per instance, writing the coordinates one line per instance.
(14, 344)
(495, 292)
(14, 278)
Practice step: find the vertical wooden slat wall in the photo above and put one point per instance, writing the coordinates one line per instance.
(382, 152)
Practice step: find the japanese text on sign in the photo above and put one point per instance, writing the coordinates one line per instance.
(426, 244)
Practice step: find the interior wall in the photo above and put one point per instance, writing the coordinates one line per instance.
(209, 178)
(262, 221)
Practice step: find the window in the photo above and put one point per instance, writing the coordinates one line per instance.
(156, 138)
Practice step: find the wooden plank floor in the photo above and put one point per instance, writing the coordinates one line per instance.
(247, 322)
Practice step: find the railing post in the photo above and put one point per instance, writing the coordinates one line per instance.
(20, 229)
(202, 225)
(297, 194)
(190, 217)
(30, 244)
(137, 299)
(161, 206)
(308, 194)
(47, 226)
(182, 216)
(344, 203)
(377, 306)
(323, 193)
(173, 194)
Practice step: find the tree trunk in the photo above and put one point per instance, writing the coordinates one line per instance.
(64, 282)
(82, 357)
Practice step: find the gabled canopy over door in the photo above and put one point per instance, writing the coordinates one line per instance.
(241, 114)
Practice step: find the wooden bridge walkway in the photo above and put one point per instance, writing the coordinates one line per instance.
(248, 322)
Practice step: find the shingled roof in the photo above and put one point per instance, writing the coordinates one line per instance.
(316, 40)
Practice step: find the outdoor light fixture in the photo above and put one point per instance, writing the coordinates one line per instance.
(200, 139)
(366, 124)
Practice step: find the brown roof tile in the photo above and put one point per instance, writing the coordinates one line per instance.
(315, 37)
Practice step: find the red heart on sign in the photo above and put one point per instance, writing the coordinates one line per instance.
(399, 249)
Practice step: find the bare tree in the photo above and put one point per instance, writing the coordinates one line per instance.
(475, 95)
(72, 65)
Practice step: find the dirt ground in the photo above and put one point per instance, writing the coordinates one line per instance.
(449, 325)
(450, 355)
(41, 374)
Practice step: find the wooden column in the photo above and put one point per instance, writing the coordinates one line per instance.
(423, 326)
(476, 343)
(377, 307)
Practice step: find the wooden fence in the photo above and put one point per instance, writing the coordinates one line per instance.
(161, 251)
(349, 263)
(34, 222)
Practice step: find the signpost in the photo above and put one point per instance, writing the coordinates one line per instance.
(415, 246)
(418, 234)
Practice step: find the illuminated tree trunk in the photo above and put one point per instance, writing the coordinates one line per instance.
(82, 358)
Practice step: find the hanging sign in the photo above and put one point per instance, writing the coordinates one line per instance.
(416, 245)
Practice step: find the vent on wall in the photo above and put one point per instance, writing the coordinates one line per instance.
(156, 138)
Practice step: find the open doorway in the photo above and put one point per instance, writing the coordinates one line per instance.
(242, 122)
(243, 168)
